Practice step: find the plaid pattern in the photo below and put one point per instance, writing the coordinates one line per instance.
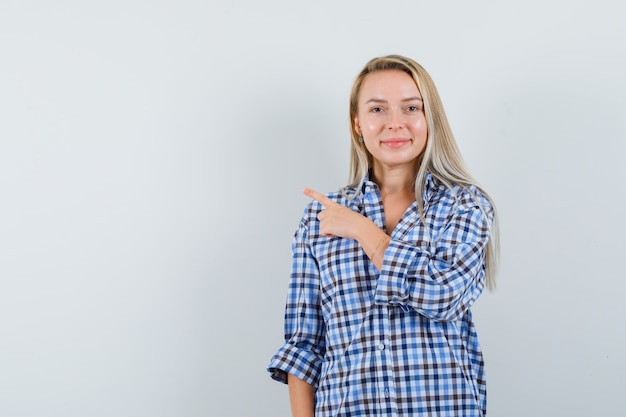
(399, 342)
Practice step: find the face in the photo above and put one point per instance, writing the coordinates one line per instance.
(391, 119)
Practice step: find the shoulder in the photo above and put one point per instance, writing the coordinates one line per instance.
(472, 196)
(458, 197)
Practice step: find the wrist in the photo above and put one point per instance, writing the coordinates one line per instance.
(365, 232)
(380, 246)
(372, 239)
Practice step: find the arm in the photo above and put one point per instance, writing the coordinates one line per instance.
(302, 397)
(304, 347)
(440, 279)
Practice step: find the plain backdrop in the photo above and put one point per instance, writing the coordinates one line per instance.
(152, 157)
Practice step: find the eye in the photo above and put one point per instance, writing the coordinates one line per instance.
(412, 109)
(376, 109)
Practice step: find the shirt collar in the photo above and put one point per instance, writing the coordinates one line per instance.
(430, 186)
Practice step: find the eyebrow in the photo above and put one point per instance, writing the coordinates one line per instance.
(380, 100)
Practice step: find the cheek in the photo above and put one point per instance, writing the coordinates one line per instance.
(367, 122)
(370, 125)
(420, 127)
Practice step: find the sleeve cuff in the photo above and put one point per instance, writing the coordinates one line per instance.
(299, 362)
(400, 261)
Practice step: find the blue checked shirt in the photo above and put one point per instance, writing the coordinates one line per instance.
(395, 342)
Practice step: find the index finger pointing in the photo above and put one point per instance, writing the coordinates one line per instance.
(319, 197)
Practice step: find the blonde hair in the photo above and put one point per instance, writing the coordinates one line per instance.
(441, 156)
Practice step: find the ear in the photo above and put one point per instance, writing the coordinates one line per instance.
(357, 126)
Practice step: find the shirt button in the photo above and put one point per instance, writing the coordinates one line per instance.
(381, 347)
(386, 392)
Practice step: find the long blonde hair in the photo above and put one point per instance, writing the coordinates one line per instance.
(441, 157)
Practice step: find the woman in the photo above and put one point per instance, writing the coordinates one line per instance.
(385, 271)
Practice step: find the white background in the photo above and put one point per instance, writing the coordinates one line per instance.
(152, 158)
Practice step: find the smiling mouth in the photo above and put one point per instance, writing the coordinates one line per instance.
(395, 143)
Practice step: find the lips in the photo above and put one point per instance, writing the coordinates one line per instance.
(396, 142)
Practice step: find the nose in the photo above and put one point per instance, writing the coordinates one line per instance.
(396, 120)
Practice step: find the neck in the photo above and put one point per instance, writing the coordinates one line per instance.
(394, 180)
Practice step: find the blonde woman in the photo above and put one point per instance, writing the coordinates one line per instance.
(385, 271)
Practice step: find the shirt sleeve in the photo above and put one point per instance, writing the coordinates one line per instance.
(441, 279)
(303, 350)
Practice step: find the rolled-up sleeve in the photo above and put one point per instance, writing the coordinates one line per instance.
(443, 278)
(302, 352)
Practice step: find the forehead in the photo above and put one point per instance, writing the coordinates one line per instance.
(389, 83)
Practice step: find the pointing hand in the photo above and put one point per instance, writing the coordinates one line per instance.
(335, 219)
